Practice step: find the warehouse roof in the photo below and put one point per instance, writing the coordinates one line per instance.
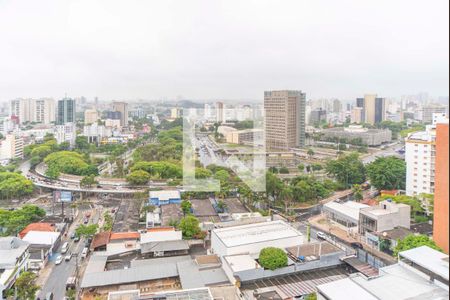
(165, 195)
(144, 272)
(164, 246)
(428, 258)
(341, 289)
(161, 236)
(256, 233)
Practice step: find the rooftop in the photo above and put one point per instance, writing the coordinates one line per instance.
(430, 259)
(256, 233)
(160, 236)
(37, 227)
(341, 289)
(349, 208)
(10, 249)
(241, 262)
(41, 237)
(165, 195)
(124, 236)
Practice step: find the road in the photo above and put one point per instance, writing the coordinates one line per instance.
(56, 282)
(391, 150)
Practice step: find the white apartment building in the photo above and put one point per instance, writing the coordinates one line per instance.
(33, 110)
(419, 156)
(95, 132)
(90, 116)
(66, 133)
(11, 147)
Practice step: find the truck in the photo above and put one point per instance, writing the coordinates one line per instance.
(71, 282)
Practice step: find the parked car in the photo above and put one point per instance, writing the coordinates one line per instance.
(73, 235)
(356, 245)
(49, 296)
(58, 260)
(76, 239)
(321, 235)
(68, 257)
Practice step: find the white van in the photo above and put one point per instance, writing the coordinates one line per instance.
(84, 252)
(65, 247)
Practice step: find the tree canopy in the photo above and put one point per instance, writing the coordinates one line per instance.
(26, 286)
(14, 185)
(86, 230)
(347, 169)
(12, 222)
(189, 226)
(68, 162)
(272, 258)
(138, 177)
(413, 241)
(387, 173)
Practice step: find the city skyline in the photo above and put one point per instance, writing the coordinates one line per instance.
(158, 50)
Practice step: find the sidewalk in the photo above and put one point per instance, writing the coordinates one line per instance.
(322, 224)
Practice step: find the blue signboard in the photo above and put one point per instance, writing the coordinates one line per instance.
(66, 196)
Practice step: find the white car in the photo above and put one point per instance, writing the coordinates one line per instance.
(321, 235)
(68, 257)
(58, 260)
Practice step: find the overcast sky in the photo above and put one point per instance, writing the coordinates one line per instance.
(230, 49)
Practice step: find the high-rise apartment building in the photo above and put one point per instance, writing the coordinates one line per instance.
(429, 110)
(66, 133)
(122, 107)
(66, 111)
(33, 110)
(220, 112)
(357, 115)
(11, 147)
(441, 195)
(90, 116)
(374, 108)
(284, 119)
(337, 106)
(419, 157)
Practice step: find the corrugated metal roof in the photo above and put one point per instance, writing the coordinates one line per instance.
(164, 246)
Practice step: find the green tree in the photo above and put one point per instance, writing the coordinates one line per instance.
(186, 207)
(286, 194)
(26, 286)
(41, 151)
(14, 185)
(357, 192)
(347, 169)
(284, 170)
(86, 230)
(387, 173)
(88, 181)
(301, 167)
(12, 222)
(138, 177)
(272, 258)
(312, 296)
(82, 143)
(71, 294)
(189, 226)
(310, 153)
(221, 206)
(413, 241)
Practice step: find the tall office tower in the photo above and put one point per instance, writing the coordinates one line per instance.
(90, 116)
(284, 119)
(220, 112)
(374, 108)
(441, 195)
(122, 107)
(337, 106)
(66, 111)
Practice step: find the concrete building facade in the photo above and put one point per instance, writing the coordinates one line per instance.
(11, 147)
(369, 137)
(374, 108)
(33, 110)
(284, 119)
(90, 116)
(122, 107)
(66, 111)
(441, 195)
